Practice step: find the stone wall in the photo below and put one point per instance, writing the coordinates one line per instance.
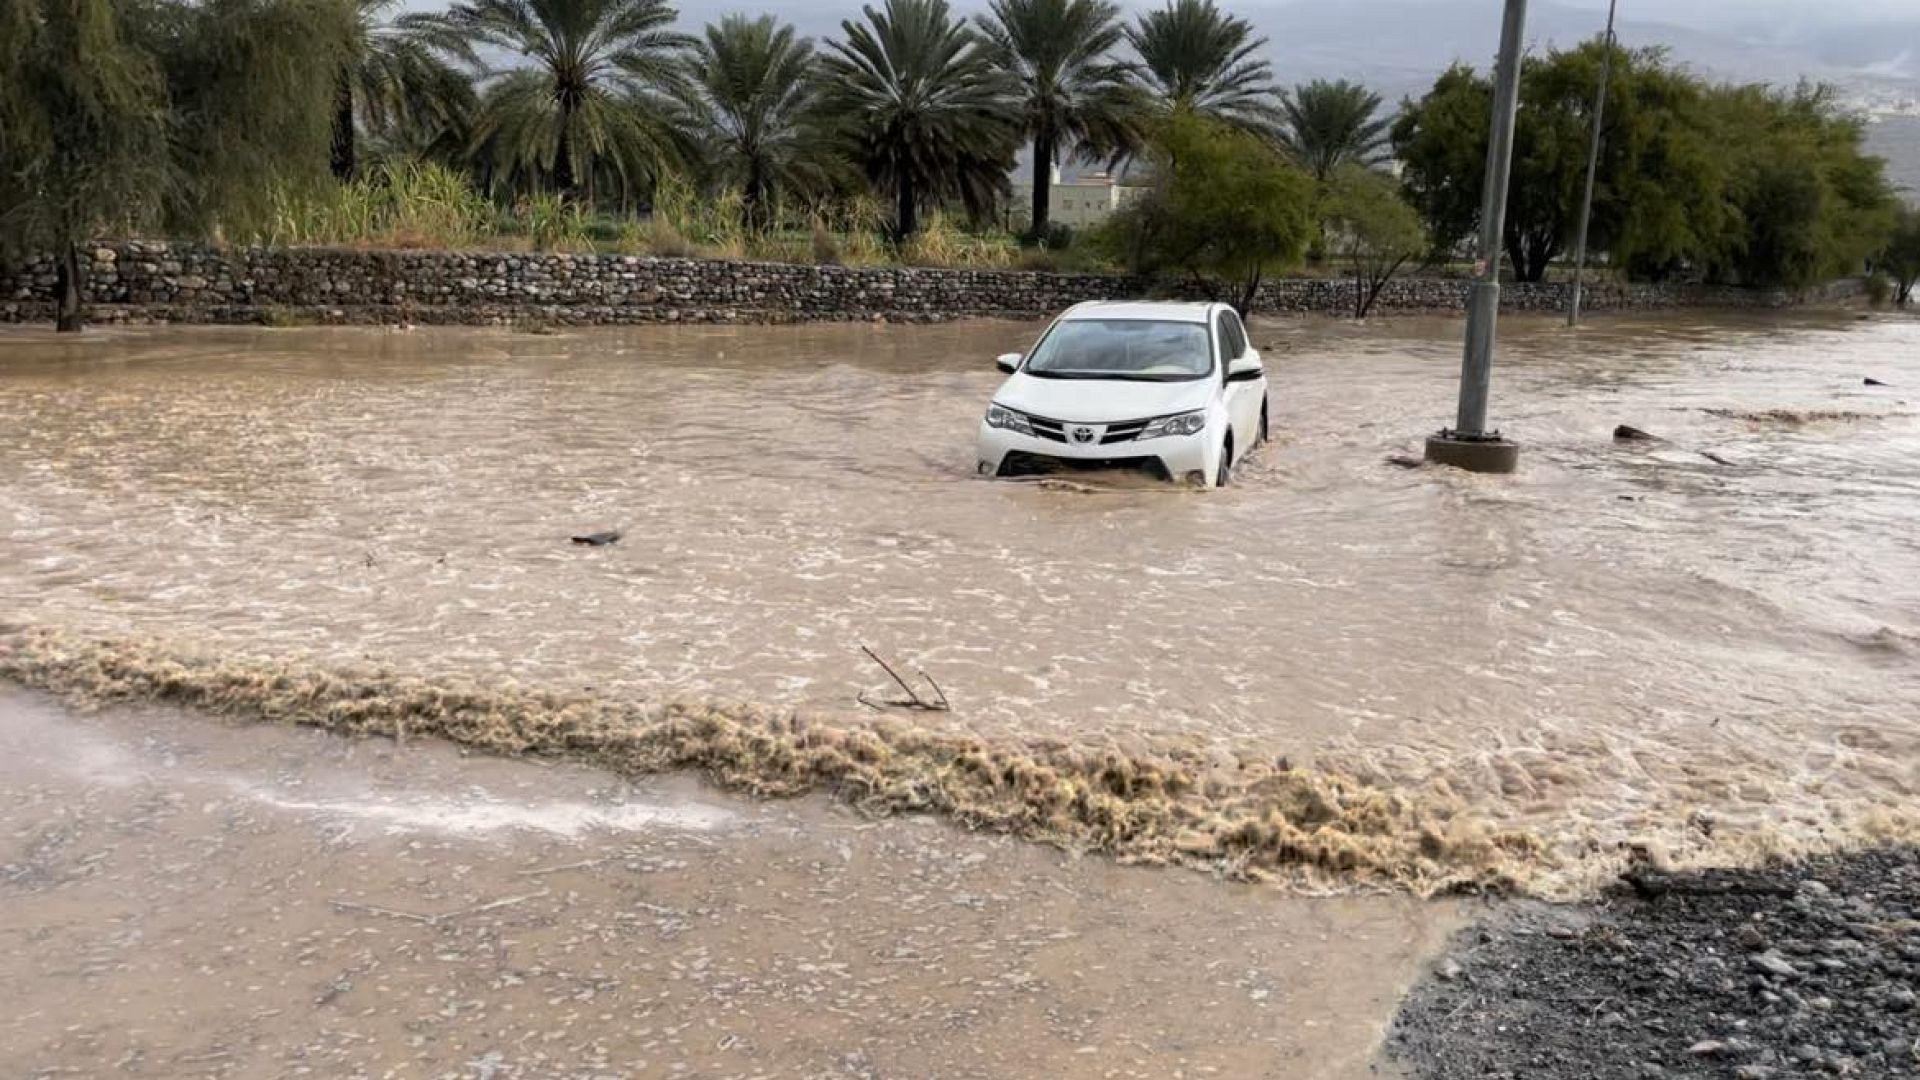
(173, 282)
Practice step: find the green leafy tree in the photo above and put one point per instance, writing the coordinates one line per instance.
(1901, 256)
(1074, 96)
(84, 125)
(756, 100)
(1368, 226)
(1328, 125)
(1740, 184)
(1197, 58)
(1225, 210)
(250, 88)
(588, 98)
(1809, 203)
(1441, 141)
(390, 83)
(925, 110)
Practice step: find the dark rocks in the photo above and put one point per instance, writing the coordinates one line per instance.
(1624, 433)
(1790, 972)
(1772, 963)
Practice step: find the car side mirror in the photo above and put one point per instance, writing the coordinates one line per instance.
(1245, 369)
(1007, 362)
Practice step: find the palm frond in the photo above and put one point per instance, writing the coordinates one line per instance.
(1197, 58)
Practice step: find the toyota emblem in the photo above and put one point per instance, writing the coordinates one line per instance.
(1083, 434)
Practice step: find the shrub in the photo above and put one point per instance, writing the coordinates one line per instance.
(408, 205)
(553, 223)
(826, 250)
(1879, 289)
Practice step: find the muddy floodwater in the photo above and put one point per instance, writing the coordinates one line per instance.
(1710, 643)
(182, 898)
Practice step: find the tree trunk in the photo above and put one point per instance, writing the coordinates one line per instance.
(563, 179)
(1535, 256)
(904, 223)
(72, 282)
(1378, 284)
(1244, 306)
(754, 200)
(343, 156)
(1042, 184)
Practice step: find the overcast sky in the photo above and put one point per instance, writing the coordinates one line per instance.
(1694, 12)
(1711, 14)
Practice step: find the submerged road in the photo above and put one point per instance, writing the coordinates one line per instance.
(185, 897)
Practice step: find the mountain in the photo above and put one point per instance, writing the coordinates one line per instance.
(1399, 45)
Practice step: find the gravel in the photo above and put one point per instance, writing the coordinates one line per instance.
(1808, 970)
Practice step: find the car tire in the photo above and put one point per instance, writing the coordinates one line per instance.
(1226, 465)
(1264, 436)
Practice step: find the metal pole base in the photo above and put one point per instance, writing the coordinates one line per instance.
(1474, 453)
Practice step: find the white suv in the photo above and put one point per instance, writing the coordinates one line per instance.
(1172, 388)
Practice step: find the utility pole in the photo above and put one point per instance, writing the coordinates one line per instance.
(1593, 164)
(1468, 444)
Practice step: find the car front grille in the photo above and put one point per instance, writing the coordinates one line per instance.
(1056, 430)
(1047, 429)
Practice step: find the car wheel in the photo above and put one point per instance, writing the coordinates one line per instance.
(1263, 422)
(1226, 464)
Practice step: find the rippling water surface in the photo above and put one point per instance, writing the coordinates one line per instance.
(1624, 639)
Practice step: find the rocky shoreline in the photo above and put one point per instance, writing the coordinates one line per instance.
(1803, 970)
(162, 281)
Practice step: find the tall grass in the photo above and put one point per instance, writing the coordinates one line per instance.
(410, 205)
(552, 223)
(423, 205)
(940, 243)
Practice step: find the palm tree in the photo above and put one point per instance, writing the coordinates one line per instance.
(1330, 124)
(1202, 60)
(928, 114)
(1074, 95)
(390, 82)
(757, 100)
(591, 97)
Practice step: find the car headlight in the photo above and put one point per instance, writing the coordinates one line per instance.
(1184, 424)
(999, 416)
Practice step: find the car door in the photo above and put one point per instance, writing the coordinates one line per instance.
(1243, 399)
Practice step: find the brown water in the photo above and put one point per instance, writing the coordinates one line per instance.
(1622, 642)
(185, 898)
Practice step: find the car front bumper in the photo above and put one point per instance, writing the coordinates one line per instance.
(1178, 457)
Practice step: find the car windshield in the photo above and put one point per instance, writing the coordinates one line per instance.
(1123, 349)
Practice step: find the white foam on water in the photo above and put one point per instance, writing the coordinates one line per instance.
(37, 739)
(483, 815)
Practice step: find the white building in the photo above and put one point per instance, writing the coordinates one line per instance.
(1088, 200)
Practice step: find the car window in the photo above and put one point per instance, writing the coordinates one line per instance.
(1233, 343)
(1239, 333)
(1122, 349)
